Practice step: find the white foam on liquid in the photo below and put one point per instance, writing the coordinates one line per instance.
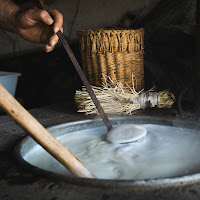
(164, 152)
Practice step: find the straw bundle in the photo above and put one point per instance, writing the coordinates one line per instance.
(117, 99)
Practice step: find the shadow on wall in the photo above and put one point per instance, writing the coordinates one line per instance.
(169, 45)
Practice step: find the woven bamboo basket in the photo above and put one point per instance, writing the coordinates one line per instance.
(117, 54)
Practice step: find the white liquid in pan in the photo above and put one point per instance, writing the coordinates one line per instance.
(165, 152)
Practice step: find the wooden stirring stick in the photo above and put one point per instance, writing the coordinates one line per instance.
(80, 72)
(42, 136)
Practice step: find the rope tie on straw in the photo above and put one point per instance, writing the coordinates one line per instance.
(148, 99)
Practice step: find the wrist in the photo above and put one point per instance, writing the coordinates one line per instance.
(8, 12)
(12, 19)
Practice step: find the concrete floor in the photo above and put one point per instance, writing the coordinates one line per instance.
(18, 183)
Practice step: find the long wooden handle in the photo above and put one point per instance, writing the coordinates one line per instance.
(41, 135)
(80, 71)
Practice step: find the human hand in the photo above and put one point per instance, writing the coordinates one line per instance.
(36, 25)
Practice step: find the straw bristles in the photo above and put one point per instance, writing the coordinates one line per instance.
(116, 99)
(166, 99)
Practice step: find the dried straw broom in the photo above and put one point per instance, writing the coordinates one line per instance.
(117, 99)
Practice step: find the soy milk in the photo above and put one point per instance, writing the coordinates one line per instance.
(165, 152)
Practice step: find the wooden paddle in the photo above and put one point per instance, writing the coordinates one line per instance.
(41, 135)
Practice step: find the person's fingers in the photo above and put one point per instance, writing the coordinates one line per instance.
(41, 15)
(46, 35)
(48, 48)
(61, 29)
(53, 40)
(58, 20)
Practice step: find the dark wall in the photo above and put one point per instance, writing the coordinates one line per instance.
(46, 78)
(169, 58)
(169, 47)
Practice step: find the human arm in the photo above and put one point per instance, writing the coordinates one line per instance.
(31, 24)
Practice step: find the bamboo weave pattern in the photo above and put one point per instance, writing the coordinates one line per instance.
(114, 53)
